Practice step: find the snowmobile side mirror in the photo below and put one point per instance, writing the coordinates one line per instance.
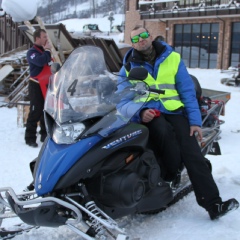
(55, 67)
(138, 73)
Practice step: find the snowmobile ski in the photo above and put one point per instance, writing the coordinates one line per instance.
(17, 229)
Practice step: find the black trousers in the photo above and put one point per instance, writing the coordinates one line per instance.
(35, 112)
(170, 135)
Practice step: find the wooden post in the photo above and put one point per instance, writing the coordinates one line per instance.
(53, 50)
(42, 26)
(29, 25)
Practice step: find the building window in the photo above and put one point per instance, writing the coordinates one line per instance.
(158, 6)
(197, 44)
(195, 3)
(235, 45)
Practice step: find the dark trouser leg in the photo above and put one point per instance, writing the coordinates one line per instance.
(204, 186)
(164, 144)
(42, 125)
(35, 111)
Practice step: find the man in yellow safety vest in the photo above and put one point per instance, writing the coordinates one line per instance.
(173, 118)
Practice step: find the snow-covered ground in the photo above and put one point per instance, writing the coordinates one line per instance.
(75, 27)
(183, 221)
(76, 24)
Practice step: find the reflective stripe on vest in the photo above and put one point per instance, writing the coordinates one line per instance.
(165, 81)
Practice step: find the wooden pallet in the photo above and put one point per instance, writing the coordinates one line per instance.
(19, 97)
(17, 73)
(18, 88)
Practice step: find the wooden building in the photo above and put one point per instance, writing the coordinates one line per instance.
(205, 32)
(10, 35)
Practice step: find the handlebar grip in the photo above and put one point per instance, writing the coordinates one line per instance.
(157, 90)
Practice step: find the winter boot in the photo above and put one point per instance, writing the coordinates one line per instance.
(218, 210)
(31, 143)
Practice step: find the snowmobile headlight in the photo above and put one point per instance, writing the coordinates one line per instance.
(67, 133)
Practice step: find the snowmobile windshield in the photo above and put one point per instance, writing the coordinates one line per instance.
(84, 91)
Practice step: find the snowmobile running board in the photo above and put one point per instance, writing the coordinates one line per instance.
(22, 227)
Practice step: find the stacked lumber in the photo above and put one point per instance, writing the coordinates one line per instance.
(17, 60)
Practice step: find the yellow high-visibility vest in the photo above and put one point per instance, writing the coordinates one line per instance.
(165, 81)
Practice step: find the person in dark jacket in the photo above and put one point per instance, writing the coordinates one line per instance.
(173, 118)
(39, 60)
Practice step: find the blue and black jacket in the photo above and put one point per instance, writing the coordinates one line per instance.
(183, 83)
(37, 58)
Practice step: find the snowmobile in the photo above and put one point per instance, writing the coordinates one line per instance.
(234, 79)
(96, 165)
